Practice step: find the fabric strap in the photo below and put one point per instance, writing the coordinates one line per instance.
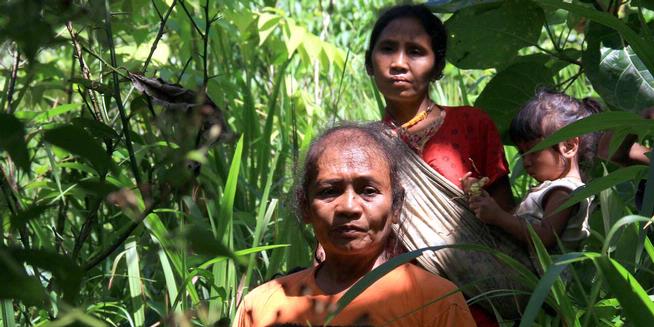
(435, 213)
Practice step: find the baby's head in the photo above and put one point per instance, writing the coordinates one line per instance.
(547, 112)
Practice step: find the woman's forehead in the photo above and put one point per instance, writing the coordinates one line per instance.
(408, 27)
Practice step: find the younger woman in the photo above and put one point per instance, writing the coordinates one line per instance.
(556, 168)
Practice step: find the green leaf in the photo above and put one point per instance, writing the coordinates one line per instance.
(450, 6)
(203, 242)
(56, 111)
(96, 128)
(617, 74)
(12, 140)
(487, 35)
(637, 307)
(26, 215)
(602, 183)
(77, 141)
(594, 123)
(510, 89)
(94, 85)
(547, 282)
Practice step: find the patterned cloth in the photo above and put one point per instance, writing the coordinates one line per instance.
(435, 213)
(467, 136)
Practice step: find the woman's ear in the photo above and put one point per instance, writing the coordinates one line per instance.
(569, 147)
(398, 203)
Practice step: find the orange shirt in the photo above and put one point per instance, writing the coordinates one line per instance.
(407, 296)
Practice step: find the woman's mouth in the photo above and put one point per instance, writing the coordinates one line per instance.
(348, 231)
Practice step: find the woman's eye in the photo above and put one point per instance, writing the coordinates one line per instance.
(369, 191)
(326, 192)
(415, 52)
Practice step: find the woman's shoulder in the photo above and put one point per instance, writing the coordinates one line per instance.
(466, 113)
(424, 279)
(285, 284)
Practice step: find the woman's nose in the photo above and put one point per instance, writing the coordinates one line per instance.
(399, 62)
(349, 205)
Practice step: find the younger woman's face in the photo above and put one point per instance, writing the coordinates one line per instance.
(350, 201)
(547, 164)
(402, 60)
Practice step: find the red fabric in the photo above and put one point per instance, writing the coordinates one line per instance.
(482, 318)
(466, 132)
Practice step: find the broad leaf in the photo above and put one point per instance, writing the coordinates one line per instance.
(26, 215)
(488, 35)
(597, 122)
(617, 74)
(12, 140)
(510, 89)
(96, 128)
(446, 6)
(77, 141)
(56, 111)
(636, 304)
(602, 183)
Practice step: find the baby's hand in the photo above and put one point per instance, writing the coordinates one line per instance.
(484, 207)
(471, 185)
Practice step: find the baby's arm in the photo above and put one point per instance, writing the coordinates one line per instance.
(552, 225)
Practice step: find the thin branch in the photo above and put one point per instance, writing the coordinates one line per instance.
(162, 25)
(119, 102)
(107, 252)
(12, 81)
(69, 92)
(181, 74)
(156, 9)
(85, 231)
(205, 39)
(190, 17)
(104, 62)
(85, 71)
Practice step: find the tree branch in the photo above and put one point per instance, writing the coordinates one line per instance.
(12, 81)
(108, 251)
(162, 25)
(205, 39)
(119, 102)
(85, 71)
(190, 17)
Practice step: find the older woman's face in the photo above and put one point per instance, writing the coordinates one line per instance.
(350, 201)
(402, 60)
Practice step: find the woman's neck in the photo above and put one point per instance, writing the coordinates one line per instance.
(337, 274)
(404, 111)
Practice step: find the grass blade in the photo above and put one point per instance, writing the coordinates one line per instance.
(134, 279)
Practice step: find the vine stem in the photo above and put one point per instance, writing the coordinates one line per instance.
(119, 102)
(162, 26)
(205, 38)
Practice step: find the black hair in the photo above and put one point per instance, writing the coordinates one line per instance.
(372, 137)
(430, 23)
(549, 111)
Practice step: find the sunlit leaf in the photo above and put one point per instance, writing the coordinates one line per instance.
(617, 73)
(636, 304)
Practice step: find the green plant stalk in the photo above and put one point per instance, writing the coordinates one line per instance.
(134, 280)
(260, 228)
(119, 102)
(648, 198)
(7, 313)
(224, 273)
(162, 25)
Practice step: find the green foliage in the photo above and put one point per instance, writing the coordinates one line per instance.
(194, 241)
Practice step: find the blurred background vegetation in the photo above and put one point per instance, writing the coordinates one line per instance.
(107, 219)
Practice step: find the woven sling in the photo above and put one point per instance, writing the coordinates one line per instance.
(435, 213)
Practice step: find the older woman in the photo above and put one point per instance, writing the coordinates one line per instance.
(351, 196)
